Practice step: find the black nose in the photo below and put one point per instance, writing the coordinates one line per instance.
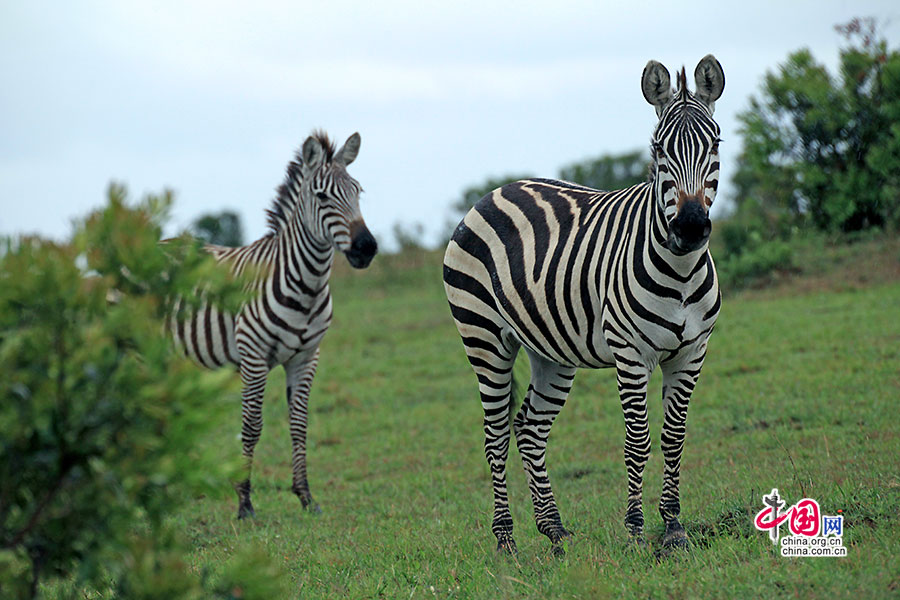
(363, 248)
(690, 228)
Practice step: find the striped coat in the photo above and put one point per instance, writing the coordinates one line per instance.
(315, 213)
(585, 278)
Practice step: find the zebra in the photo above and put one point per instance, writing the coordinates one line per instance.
(580, 277)
(316, 211)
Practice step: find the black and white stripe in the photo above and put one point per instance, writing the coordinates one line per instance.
(316, 211)
(584, 278)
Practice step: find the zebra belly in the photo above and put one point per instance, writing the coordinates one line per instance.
(589, 352)
(207, 336)
(281, 335)
(659, 345)
(490, 293)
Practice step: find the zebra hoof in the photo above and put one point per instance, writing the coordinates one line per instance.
(245, 507)
(245, 510)
(561, 541)
(302, 492)
(559, 548)
(637, 541)
(310, 506)
(507, 546)
(675, 538)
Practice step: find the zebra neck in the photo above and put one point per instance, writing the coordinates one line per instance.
(306, 261)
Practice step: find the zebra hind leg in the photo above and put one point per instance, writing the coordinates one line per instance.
(253, 376)
(492, 361)
(550, 385)
(491, 349)
(300, 372)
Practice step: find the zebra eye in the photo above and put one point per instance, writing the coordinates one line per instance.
(658, 150)
(715, 144)
(321, 195)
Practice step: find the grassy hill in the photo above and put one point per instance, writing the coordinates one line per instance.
(799, 392)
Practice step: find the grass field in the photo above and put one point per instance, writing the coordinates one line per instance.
(799, 392)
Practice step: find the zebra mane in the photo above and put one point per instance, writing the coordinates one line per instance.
(682, 89)
(682, 95)
(287, 194)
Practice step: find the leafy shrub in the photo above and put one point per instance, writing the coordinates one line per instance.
(223, 229)
(756, 261)
(104, 431)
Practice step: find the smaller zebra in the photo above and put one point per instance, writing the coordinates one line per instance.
(316, 212)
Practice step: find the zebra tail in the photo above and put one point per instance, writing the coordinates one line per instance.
(515, 395)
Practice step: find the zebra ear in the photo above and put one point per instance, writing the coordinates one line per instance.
(347, 153)
(656, 85)
(312, 152)
(710, 80)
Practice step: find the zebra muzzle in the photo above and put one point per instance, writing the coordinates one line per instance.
(690, 228)
(363, 246)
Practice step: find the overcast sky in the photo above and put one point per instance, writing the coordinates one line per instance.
(211, 99)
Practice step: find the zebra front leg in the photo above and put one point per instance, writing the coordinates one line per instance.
(679, 380)
(253, 376)
(300, 371)
(632, 378)
(550, 385)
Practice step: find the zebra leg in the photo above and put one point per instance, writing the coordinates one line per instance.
(679, 380)
(550, 385)
(492, 361)
(632, 378)
(253, 376)
(300, 371)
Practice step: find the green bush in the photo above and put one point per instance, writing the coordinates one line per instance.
(756, 261)
(223, 229)
(104, 431)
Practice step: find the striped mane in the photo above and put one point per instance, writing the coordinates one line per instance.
(682, 88)
(686, 112)
(285, 202)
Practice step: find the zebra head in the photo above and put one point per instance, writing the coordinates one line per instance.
(685, 150)
(330, 198)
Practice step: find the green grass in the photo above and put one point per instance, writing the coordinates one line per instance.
(799, 392)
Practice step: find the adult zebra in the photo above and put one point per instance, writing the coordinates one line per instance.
(587, 278)
(315, 212)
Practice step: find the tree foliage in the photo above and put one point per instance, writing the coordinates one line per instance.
(409, 237)
(470, 196)
(104, 431)
(608, 172)
(474, 193)
(223, 229)
(824, 150)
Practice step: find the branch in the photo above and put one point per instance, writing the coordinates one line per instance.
(42, 505)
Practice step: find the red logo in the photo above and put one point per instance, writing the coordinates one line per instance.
(768, 518)
(811, 532)
(805, 518)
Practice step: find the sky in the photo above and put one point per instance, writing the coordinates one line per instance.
(212, 99)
